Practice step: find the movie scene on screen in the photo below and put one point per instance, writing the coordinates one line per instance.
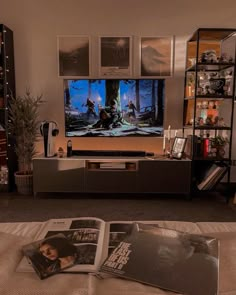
(114, 107)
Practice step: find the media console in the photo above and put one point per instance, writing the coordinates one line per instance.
(111, 175)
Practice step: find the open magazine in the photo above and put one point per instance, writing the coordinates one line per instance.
(165, 258)
(94, 239)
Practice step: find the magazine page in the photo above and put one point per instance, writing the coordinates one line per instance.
(86, 233)
(51, 255)
(117, 231)
(166, 258)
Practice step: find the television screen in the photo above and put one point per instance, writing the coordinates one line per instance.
(114, 107)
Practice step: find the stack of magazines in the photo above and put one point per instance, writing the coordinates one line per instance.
(144, 252)
(212, 176)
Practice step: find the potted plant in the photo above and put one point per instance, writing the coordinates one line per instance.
(23, 125)
(219, 142)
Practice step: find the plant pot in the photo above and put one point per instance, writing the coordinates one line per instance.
(24, 183)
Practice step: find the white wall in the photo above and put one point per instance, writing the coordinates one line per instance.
(37, 23)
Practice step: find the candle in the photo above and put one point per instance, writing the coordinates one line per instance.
(176, 133)
(169, 133)
(164, 142)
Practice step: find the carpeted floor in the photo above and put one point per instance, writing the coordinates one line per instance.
(213, 207)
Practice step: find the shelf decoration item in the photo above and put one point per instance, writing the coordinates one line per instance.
(209, 108)
(178, 147)
(218, 143)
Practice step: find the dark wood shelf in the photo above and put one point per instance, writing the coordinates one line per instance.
(206, 127)
(210, 67)
(214, 159)
(214, 96)
(7, 81)
(205, 55)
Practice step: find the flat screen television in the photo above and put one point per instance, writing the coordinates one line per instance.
(114, 107)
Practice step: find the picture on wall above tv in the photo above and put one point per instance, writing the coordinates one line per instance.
(114, 107)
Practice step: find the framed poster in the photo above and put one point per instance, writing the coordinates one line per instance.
(73, 56)
(156, 56)
(115, 58)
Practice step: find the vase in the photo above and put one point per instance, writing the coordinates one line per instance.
(24, 183)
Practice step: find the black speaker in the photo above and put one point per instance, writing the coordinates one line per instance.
(69, 148)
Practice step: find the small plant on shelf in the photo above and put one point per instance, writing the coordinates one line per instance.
(218, 143)
(219, 140)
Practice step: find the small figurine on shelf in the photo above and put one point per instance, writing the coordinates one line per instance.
(231, 60)
(221, 121)
(223, 58)
(209, 120)
(216, 120)
(207, 90)
(60, 152)
(200, 121)
(209, 56)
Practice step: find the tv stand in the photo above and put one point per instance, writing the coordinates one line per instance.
(111, 175)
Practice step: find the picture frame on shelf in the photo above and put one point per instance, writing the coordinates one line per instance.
(115, 56)
(156, 56)
(178, 147)
(74, 55)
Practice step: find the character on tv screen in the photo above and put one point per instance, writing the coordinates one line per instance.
(90, 104)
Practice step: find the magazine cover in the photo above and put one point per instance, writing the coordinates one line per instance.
(52, 255)
(169, 259)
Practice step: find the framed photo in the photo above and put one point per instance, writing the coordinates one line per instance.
(178, 147)
(156, 56)
(73, 56)
(115, 56)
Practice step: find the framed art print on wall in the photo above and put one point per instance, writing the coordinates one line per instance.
(156, 56)
(73, 56)
(115, 56)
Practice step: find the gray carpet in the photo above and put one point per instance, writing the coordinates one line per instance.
(14, 208)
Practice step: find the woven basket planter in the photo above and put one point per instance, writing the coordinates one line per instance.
(24, 183)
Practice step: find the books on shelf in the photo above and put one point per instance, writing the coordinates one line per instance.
(212, 176)
(165, 258)
(216, 179)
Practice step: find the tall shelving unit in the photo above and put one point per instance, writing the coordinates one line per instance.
(8, 160)
(209, 104)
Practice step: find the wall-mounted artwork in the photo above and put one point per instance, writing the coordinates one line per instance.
(74, 56)
(115, 56)
(156, 56)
